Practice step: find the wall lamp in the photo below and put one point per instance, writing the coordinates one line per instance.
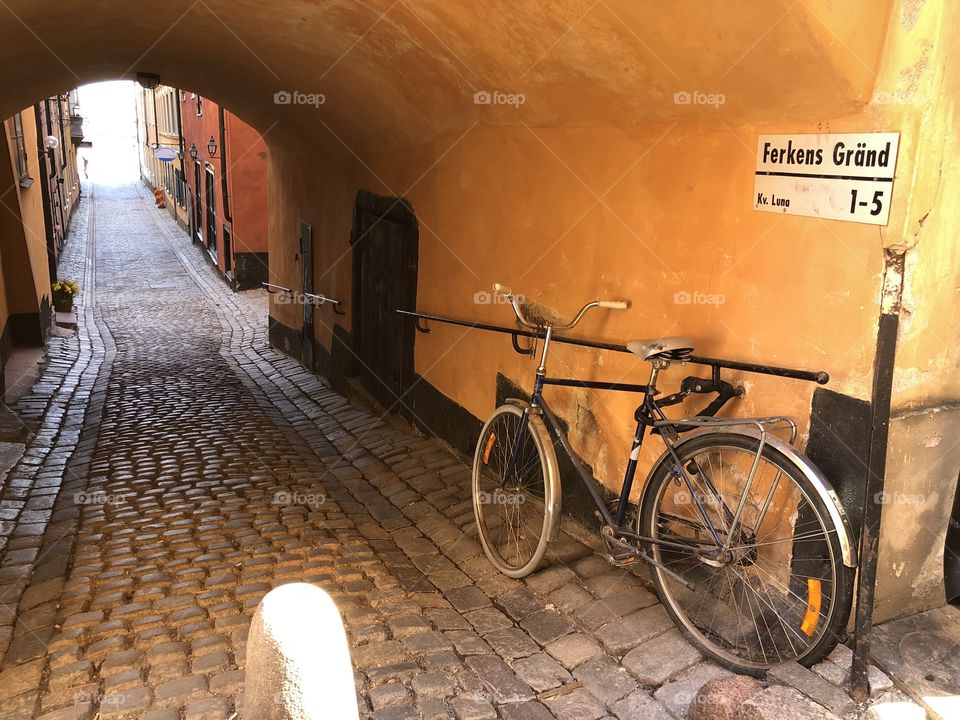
(193, 151)
(212, 147)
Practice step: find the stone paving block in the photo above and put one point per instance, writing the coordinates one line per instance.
(127, 704)
(545, 626)
(378, 654)
(660, 658)
(812, 685)
(487, 620)
(181, 690)
(393, 693)
(639, 704)
(467, 642)
(545, 581)
(511, 643)
(499, 680)
(80, 711)
(625, 634)
(605, 679)
(571, 650)
(211, 708)
(597, 613)
(570, 597)
(469, 708)
(541, 672)
(576, 705)
(519, 602)
(525, 711)
(433, 685)
(780, 702)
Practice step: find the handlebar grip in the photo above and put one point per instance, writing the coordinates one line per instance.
(501, 289)
(613, 304)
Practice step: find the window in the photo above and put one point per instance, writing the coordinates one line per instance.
(20, 145)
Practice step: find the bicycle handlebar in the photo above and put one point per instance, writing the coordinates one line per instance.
(499, 289)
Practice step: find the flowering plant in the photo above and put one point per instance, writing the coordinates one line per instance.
(65, 290)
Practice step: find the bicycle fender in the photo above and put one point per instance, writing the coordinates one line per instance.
(821, 485)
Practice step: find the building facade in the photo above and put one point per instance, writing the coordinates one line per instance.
(226, 186)
(161, 148)
(40, 168)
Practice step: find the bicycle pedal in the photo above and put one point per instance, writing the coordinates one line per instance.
(622, 560)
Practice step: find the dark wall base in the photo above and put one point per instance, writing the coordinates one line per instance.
(839, 445)
(434, 414)
(283, 338)
(27, 329)
(250, 269)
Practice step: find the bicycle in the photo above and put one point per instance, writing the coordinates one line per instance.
(748, 545)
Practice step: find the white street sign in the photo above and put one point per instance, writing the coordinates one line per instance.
(841, 177)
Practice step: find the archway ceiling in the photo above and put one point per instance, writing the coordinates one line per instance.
(403, 72)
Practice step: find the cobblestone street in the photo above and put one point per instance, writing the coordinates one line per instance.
(181, 468)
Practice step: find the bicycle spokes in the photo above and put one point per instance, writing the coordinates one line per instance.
(767, 595)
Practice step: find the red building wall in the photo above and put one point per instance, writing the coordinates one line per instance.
(239, 168)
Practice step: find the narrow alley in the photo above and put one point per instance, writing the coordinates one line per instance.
(210, 468)
(200, 468)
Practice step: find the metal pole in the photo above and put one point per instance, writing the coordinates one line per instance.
(882, 394)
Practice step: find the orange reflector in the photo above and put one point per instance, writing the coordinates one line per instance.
(486, 451)
(812, 617)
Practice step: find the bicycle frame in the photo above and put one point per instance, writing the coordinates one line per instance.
(649, 414)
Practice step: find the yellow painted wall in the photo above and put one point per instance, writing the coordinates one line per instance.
(567, 215)
(25, 233)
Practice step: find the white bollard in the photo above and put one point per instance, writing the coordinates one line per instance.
(298, 661)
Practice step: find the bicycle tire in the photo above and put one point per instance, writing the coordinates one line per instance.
(515, 504)
(744, 575)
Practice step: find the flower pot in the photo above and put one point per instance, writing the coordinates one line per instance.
(63, 305)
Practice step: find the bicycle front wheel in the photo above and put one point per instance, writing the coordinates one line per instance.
(514, 498)
(780, 591)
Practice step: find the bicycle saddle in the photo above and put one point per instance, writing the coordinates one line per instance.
(666, 348)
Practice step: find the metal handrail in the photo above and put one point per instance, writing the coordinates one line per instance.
(818, 376)
(315, 299)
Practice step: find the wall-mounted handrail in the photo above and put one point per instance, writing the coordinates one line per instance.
(271, 288)
(314, 299)
(318, 299)
(820, 377)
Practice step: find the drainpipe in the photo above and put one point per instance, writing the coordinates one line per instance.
(881, 398)
(183, 156)
(227, 215)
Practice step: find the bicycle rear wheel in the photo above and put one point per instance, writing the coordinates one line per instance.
(781, 592)
(514, 498)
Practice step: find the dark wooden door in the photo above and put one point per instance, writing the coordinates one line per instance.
(385, 280)
(307, 339)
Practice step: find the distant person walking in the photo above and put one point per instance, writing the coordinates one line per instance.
(86, 161)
